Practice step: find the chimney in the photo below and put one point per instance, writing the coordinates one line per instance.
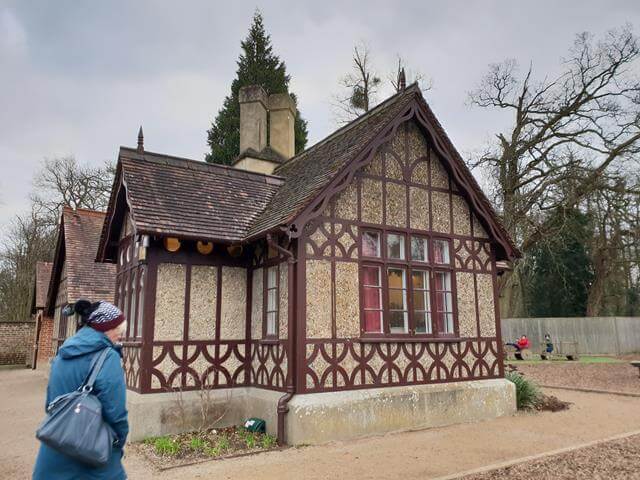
(253, 118)
(282, 115)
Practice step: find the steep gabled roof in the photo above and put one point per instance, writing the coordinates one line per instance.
(77, 244)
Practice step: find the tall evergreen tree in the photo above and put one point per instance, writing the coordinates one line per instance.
(257, 65)
(559, 270)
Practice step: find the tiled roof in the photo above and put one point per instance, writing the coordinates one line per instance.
(78, 240)
(191, 199)
(85, 277)
(43, 276)
(308, 172)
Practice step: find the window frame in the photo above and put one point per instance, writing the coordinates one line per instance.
(409, 265)
(265, 301)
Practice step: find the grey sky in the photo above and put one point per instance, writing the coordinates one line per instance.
(80, 77)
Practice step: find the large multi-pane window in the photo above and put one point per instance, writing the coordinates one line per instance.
(406, 284)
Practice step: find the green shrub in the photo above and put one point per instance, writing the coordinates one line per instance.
(268, 441)
(166, 446)
(527, 392)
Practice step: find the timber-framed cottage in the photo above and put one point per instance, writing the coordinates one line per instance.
(346, 290)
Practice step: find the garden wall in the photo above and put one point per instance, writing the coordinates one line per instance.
(595, 335)
(16, 342)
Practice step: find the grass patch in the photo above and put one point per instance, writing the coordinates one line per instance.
(527, 393)
(583, 359)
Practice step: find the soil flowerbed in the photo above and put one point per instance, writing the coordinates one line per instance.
(187, 448)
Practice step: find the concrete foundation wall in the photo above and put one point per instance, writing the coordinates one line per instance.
(156, 414)
(595, 335)
(323, 417)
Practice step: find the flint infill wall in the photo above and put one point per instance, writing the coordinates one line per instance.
(16, 342)
(595, 335)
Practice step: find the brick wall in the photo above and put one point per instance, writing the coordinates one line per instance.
(16, 342)
(44, 341)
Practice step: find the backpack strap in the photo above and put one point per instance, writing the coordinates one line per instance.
(96, 366)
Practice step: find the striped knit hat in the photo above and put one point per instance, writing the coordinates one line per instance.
(105, 317)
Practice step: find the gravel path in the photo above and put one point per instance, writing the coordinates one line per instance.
(410, 455)
(615, 460)
(615, 377)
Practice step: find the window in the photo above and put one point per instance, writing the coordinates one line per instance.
(372, 292)
(444, 304)
(272, 301)
(398, 313)
(406, 284)
(419, 249)
(140, 316)
(395, 246)
(134, 298)
(441, 252)
(371, 244)
(421, 303)
(125, 297)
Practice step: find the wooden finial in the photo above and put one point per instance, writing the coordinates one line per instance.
(140, 140)
(402, 80)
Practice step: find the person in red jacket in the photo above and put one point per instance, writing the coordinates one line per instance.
(523, 343)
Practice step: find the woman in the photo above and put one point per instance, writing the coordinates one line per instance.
(101, 326)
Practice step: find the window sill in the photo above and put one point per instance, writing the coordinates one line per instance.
(132, 343)
(269, 341)
(410, 340)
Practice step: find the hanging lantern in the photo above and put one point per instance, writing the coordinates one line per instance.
(234, 250)
(205, 248)
(171, 244)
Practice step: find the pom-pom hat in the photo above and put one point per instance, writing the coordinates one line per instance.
(105, 317)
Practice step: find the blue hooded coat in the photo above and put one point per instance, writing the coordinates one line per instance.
(68, 370)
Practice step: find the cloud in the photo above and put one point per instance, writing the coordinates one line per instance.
(80, 77)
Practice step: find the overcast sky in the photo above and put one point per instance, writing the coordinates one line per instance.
(79, 77)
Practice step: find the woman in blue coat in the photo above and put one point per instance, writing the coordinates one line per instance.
(103, 325)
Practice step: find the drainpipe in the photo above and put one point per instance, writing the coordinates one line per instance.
(283, 407)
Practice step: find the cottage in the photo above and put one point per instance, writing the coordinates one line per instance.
(44, 323)
(344, 291)
(74, 273)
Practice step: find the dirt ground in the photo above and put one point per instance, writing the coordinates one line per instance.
(411, 455)
(614, 460)
(615, 377)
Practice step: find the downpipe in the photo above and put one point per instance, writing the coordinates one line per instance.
(283, 401)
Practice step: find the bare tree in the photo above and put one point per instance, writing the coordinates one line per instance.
(29, 240)
(63, 181)
(31, 237)
(360, 87)
(567, 134)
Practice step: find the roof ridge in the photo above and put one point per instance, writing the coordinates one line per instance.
(356, 121)
(95, 213)
(232, 171)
